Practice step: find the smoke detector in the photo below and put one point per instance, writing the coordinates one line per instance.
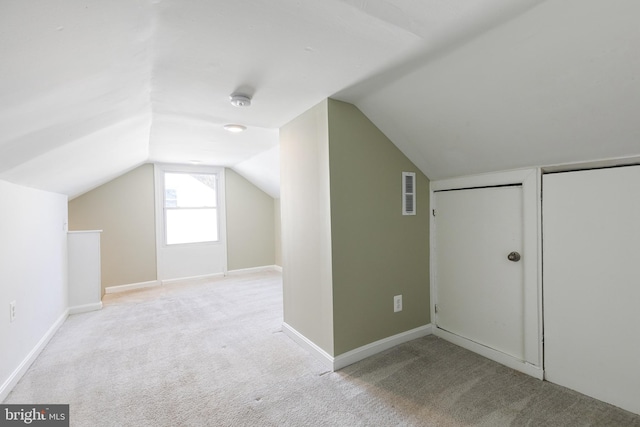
(240, 100)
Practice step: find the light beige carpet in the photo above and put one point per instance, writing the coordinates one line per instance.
(213, 354)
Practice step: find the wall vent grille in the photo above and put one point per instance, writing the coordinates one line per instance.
(408, 193)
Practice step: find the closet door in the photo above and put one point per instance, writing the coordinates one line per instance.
(485, 287)
(480, 292)
(591, 253)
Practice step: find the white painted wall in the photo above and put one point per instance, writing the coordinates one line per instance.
(190, 260)
(33, 273)
(591, 286)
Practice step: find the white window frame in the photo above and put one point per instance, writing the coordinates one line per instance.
(161, 222)
(165, 209)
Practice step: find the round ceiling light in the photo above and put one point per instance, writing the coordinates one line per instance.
(240, 100)
(235, 128)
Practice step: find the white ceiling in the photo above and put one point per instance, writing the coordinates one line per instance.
(90, 89)
(559, 84)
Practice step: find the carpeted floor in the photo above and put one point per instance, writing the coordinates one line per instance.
(213, 354)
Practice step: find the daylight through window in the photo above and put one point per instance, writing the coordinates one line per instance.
(190, 208)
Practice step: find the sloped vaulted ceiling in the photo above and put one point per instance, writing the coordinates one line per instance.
(560, 84)
(74, 91)
(92, 88)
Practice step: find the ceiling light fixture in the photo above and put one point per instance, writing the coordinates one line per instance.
(240, 100)
(235, 128)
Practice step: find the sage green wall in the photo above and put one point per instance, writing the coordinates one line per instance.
(250, 224)
(124, 209)
(278, 231)
(376, 251)
(306, 226)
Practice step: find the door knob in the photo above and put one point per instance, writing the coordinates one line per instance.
(514, 256)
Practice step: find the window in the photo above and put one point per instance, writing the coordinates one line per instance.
(190, 207)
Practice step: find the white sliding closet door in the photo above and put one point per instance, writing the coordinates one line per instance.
(591, 252)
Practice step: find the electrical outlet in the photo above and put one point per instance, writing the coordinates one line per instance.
(12, 311)
(397, 303)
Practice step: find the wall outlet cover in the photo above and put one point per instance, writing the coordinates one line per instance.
(397, 303)
(12, 311)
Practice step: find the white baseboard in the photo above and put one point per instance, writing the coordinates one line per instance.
(308, 345)
(358, 354)
(253, 270)
(192, 279)
(15, 376)
(277, 268)
(124, 288)
(489, 353)
(85, 308)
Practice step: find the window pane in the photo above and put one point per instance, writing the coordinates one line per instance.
(191, 225)
(189, 190)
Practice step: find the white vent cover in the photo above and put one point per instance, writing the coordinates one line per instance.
(408, 193)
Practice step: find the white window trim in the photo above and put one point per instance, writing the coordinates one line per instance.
(161, 229)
